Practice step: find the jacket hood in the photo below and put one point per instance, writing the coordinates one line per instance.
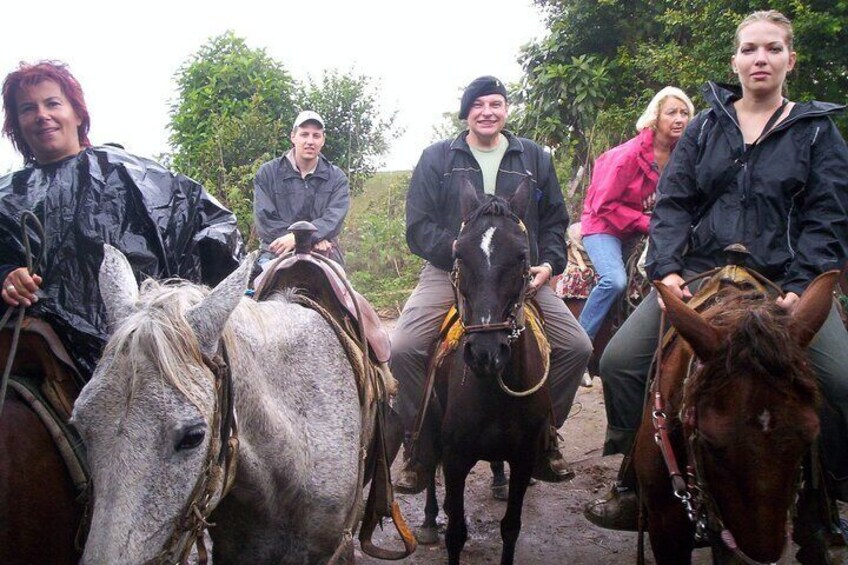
(721, 95)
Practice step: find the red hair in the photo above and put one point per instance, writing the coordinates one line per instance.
(29, 75)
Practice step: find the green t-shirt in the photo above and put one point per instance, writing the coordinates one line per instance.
(490, 161)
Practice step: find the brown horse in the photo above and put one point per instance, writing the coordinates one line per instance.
(733, 414)
(491, 401)
(39, 508)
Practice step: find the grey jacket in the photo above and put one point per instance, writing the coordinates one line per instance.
(282, 197)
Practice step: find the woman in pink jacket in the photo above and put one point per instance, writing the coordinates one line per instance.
(621, 196)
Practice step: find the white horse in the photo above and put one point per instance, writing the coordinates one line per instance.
(147, 421)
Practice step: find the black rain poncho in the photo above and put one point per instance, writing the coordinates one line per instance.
(165, 223)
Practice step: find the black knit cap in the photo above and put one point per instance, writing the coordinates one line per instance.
(479, 87)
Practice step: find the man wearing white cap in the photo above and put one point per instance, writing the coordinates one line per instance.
(301, 185)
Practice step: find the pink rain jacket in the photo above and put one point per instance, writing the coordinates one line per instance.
(624, 181)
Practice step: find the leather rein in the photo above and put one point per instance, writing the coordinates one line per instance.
(692, 489)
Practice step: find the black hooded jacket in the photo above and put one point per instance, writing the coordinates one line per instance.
(787, 203)
(433, 215)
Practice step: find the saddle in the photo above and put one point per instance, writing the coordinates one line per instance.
(44, 376)
(325, 285)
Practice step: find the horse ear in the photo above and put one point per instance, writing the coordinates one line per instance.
(521, 198)
(813, 308)
(468, 200)
(703, 338)
(208, 318)
(118, 287)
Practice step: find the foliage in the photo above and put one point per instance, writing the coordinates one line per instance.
(356, 132)
(226, 119)
(234, 110)
(379, 262)
(587, 81)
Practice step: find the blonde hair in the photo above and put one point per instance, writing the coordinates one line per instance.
(770, 16)
(648, 119)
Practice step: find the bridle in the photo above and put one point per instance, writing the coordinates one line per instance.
(692, 489)
(514, 321)
(219, 471)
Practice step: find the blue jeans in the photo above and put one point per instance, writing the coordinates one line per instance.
(606, 255)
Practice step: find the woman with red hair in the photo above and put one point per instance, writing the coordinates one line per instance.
(166, 224)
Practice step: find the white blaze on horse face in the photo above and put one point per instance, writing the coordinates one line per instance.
(765, 420)
(487, 246)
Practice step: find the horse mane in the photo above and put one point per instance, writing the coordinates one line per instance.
(159, 333)
(757, 344)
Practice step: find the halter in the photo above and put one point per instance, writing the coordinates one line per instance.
(219, 471)
(514, 320)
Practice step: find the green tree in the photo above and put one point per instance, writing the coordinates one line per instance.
(228, 119)
(358, 131)
(587, 81)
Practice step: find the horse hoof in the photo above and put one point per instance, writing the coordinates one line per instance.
(427, 535)
(587, 380)
(500, 492)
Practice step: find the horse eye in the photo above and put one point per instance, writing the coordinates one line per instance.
(191, 438)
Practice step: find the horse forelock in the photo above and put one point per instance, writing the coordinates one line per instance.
(756, 345)
(159, 333)
(492, 206)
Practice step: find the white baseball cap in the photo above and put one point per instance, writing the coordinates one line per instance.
(306, 116)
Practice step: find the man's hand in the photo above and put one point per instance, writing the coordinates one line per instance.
(541, 274)
(788, 302)
(20, 288)
(322, 246)
(282, 245)
(675, 284)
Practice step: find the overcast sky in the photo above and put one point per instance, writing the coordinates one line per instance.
(125, 54)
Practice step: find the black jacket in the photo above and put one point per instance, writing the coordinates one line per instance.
(166, 224)
(282, 197)
(787, 204)
(433, 215)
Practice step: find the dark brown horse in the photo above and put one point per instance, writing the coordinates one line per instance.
(480, 410)
(731, 416)
(39, 508)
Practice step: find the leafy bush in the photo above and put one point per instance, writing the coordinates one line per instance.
(379, 263)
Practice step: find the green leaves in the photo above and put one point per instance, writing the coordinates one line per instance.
(356, 129)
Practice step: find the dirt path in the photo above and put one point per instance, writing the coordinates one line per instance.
(553, 529)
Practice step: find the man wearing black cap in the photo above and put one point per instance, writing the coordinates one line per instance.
(301, 185)
(495, 161)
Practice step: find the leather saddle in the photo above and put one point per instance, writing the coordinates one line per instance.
(324, 283)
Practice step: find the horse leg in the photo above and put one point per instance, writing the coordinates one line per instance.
(428, 533)
(671, 534)
(519, 480)
(812, 515)
(500, 485)
(456, 471)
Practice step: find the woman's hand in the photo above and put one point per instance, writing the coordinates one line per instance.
(788, 302)
(20, 288)
(676, 284)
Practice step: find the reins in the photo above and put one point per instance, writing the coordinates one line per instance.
(26, 217)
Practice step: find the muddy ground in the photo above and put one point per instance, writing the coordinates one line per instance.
(554, 530)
